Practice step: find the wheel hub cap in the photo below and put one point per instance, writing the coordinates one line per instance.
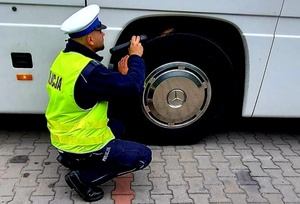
(176, 95)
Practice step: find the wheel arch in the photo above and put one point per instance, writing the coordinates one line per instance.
(226, 35)
(202, 44)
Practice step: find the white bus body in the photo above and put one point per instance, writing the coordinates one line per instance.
(265, 50)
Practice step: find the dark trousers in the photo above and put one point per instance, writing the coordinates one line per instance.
(116, 158)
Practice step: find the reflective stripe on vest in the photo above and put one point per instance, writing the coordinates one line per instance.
(67, 127)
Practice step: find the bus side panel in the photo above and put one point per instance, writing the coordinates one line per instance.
(43, 2)
(236, 7)
(43, 39)
(242, 14)
(29, 30)
(280, 92)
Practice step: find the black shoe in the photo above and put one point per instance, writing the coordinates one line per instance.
(85, 192)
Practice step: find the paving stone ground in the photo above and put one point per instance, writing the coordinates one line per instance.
(232, 166)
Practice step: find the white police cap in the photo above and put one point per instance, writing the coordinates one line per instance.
(83, 22)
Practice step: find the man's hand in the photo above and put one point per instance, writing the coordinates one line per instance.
(136, 47)
(123, 65)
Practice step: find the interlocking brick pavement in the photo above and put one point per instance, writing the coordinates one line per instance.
(225, 167)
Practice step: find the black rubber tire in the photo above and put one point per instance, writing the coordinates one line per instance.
(212, 61)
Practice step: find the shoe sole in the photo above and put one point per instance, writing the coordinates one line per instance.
(72, 186)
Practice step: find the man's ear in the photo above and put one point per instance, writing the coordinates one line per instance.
(90, 40)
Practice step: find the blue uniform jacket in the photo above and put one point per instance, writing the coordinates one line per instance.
(97, 83)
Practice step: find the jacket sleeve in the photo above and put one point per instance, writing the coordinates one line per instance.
(103, 84)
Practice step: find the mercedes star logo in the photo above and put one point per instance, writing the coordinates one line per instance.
(176, 98)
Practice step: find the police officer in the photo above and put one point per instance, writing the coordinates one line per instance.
(79, 89)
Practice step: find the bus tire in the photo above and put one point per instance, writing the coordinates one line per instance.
(188, 90)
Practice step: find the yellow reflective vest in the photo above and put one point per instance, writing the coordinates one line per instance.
(73, 129)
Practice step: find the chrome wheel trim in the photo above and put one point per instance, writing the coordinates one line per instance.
(176, 95)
